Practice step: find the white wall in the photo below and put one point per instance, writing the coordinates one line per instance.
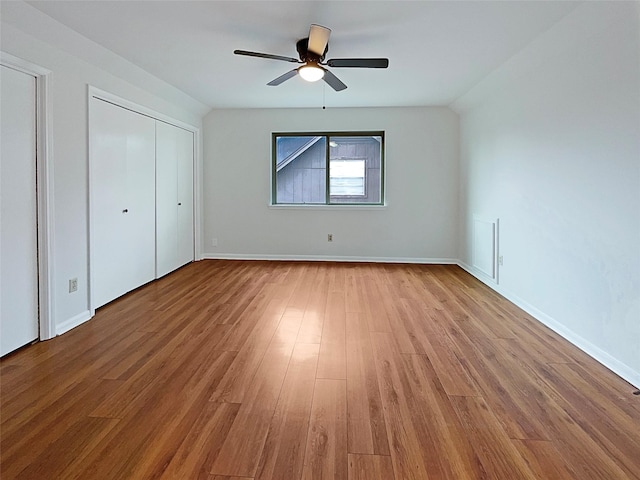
(419, 223)
(550, 144)
(69, 79)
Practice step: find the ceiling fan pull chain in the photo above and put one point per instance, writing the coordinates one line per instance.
(324, 91)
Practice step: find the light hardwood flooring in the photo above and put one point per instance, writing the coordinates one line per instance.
(283, 370)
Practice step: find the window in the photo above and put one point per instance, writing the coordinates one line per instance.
(346, 177)
(328, 168)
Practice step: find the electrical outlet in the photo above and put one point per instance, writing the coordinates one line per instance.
(73, 285)
(330, 237)
(214, 242)
(500, 260)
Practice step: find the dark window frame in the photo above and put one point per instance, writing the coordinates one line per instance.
(330, 200)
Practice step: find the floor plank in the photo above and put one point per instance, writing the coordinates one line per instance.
(543, 460)
(239, 377)
(404, 446)
(201, 445)
(20, 444)
(283, 453)
(227, 477)
(365, 417)
(244, 443)
(417, 396)
(498, 455)
(332, 362)
(370, 467)
(326, 449)
(313, 318)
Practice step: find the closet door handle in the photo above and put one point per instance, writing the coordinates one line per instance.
(179, 203)
(126, 210)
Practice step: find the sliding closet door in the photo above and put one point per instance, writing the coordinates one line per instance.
(18, 211)
(122, 200)
(186, 245)
(174, 198)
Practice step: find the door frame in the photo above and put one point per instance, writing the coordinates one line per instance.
(98, 94)
(44, 196)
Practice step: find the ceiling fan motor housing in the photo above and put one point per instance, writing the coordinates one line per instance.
(302, 46)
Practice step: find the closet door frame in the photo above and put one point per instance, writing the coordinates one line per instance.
(96, 93)
(44, 181)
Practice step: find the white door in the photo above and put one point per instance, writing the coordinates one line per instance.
(18, 211)
(122, 188)
(166, 198)
(174, 198)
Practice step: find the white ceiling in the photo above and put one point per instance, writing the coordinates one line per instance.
(438, 50)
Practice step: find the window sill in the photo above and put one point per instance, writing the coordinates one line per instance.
(311, 206)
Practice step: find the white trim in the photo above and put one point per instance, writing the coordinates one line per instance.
(22, 65)
(90, 283)
(325, 206)
(135, 107)
(613, 364)
(93, 92)
(198, 201)
(73, 322)
(44, 172)
(328, 258)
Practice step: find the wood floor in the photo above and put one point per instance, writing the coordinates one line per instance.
(274, 370)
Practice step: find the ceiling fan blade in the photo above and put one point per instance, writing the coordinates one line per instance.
(359, 62)
(333, 81)
(318, 39)
(266, 55)
(283, 78)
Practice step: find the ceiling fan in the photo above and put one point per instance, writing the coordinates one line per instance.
(312, 51)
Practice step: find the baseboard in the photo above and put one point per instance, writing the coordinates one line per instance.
(73, 322)
(613, 364)
(328, 258)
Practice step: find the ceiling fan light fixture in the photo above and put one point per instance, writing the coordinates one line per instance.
(311, 72)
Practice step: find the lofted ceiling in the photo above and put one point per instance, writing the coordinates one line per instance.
(438, 50)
